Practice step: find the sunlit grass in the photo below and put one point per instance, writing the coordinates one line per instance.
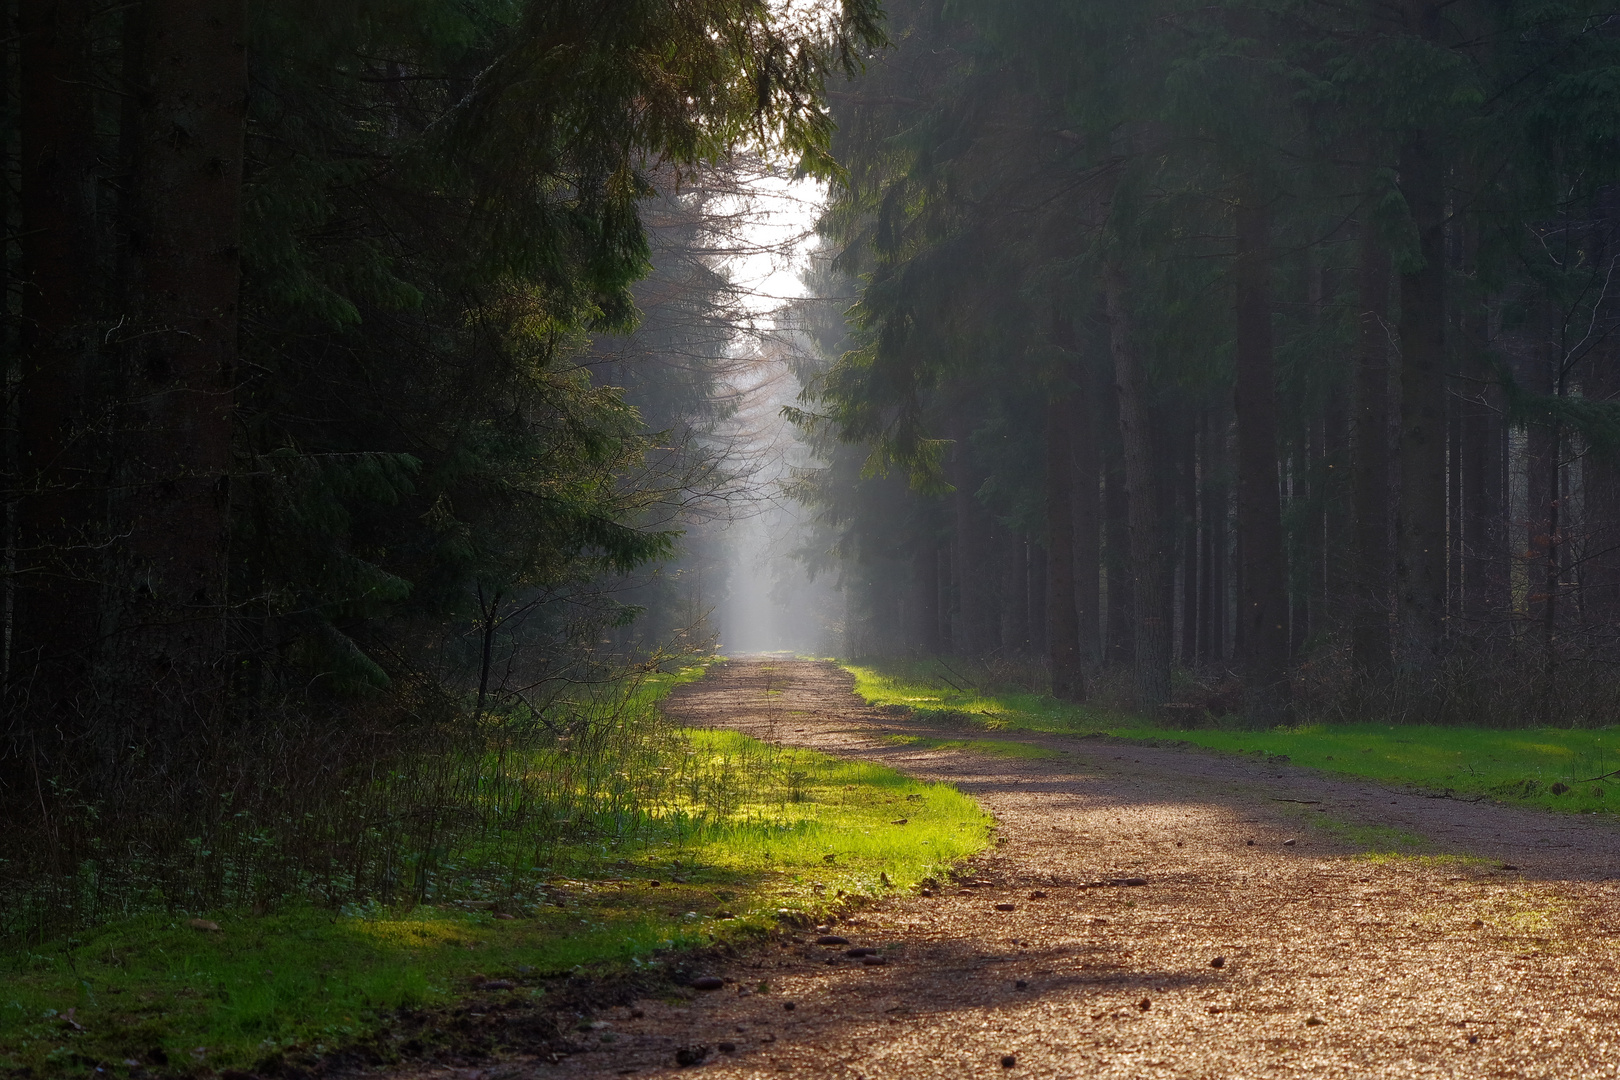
(1553, 768)
(794, 830)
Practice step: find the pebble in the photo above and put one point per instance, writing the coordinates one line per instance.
(1290, 842)
(831, 939)
(1145, 1004)
(691, 1055)
(1006, 907)
(1038, 894)
(1020, 985)
(1008, 1061)
(1218, 962)
(789, 1006)
(859, 951)
(708, 982)
(728, 1048)
(1314, 1021)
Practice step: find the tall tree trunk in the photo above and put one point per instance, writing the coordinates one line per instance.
(1420, 524)
(180, 368)
(1189, 542)
(1121, 614)
(1038, 557)
(1217, 549)
(56, 628)
(1264, 606)
(1148, 540)
(1369, 480)
(1087, 522)
(1062, 617)
(1014, 555)
(925, 571)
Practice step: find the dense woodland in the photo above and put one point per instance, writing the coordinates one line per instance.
(360, 361)
(366, 360)
(1257, 356)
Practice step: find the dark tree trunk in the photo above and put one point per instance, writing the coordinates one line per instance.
(1037, 600)
(1116, 539)
(1420, 523)
(925, 569)
(1087, 524)
(180, 369)
(57, 624)
(1264, 606)
(1189, 542)
(1014, 558)
(1149, 562)
(1370, 487)
(1216, 500)
(1062, 618)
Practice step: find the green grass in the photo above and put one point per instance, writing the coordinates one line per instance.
(1515, 766)
(805, 832)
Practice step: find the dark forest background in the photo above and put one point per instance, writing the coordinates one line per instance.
(1255, 358)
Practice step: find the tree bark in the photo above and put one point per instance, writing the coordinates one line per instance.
(1116, 544)
(181, 358)
(1148, 535)
(1264, 605)
(1087, 524)
(1420, 525)
(1370, 488)
(56, 627)
(1062, 617)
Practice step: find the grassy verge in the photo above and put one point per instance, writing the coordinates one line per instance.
(1552, 768)
(779, 829)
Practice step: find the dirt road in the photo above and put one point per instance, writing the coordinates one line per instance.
(1502, 963)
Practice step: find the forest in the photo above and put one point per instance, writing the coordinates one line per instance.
(380, 392)
(1256, 357)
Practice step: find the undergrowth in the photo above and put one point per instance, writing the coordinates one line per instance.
(741, 830)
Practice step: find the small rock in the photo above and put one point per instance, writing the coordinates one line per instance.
(1290, 842)
(690, 1055)
(1038, 894)
(637, 1014)
(1218, 962)
(207, 925)
(789, 1006)
(1248, 843)
(860, 951)
(728, 1047)
(708, 982)
(874, 961)
(1128, 882)
(1006, 907)
(1008, 1061)
(654, 884)
(1145, 1004)
(1021, 985)
(831, 939)
(1479, 924)
(1472, 1039)
(1508, 866)
(1314, 1021)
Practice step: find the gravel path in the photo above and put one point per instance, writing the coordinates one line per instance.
(1500, 961)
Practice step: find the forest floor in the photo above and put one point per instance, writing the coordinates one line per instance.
(1493, 953)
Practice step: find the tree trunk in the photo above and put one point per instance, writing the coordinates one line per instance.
(1087, 524)
(56, 628)
(1216, 499)
(1369, 480)
(1264, 605)
(1062, 618)
(181, 359)
(1149, 557)
(925, 569)
(1116, 540)
(1189, 542)
(1420, 524)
